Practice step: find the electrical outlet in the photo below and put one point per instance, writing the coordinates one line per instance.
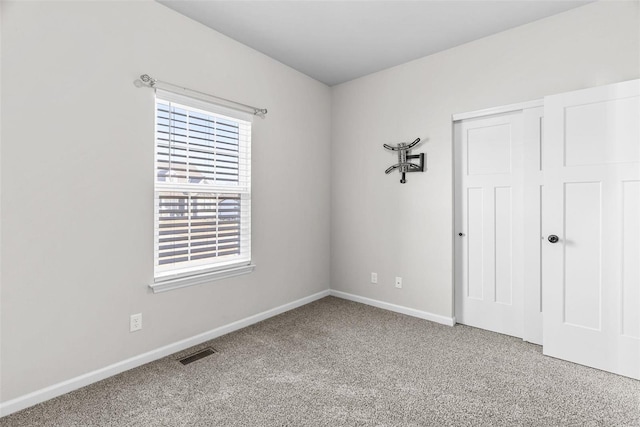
(374, 277)
(399, 282)
(135, 322)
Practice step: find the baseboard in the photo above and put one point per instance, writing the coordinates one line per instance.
(67, 386)
(449, 321)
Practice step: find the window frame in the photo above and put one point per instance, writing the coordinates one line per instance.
(166, 278)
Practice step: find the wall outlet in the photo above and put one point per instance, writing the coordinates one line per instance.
(135, 322)
(399, 282)
(374, 277)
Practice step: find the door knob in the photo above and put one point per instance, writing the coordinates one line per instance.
(553, 238)
(460, 234)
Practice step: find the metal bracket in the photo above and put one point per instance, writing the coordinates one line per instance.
(403, 164)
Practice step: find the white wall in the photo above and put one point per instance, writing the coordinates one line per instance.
(77, 184)
(380, 225)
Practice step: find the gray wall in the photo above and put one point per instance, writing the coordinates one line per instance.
(379, 225)
(77, 184)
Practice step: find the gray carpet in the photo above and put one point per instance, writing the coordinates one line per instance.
(339, 363)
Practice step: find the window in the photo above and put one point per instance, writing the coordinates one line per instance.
(202, 192)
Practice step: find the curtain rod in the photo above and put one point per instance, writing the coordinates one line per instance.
(148, 81)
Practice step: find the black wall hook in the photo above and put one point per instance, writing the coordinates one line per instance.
(403, 164)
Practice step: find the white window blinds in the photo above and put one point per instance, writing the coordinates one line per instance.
(202, 187)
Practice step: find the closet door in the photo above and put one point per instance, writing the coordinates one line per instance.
(591, 224)
(489, 265)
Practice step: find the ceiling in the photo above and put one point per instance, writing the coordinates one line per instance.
(337, 41)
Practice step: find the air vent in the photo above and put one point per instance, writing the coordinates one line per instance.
(197, 356)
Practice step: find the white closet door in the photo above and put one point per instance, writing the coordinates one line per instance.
(489, 217)
(591, 275)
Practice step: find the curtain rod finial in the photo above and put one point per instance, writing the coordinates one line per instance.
(148, 79)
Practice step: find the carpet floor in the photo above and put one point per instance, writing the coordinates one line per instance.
(339, 363)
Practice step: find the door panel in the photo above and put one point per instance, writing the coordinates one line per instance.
(583, 254)
(503, 233)
(488, 198)
(589, 124)
(630, 262)
(592, 169)
(488, 149)
(475, 246)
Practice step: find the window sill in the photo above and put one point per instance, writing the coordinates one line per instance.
(183, 282)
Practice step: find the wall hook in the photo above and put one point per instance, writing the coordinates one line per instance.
(403, 164)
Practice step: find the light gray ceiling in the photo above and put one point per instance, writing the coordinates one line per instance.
(336, 41)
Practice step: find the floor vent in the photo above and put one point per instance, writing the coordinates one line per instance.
(197, 356)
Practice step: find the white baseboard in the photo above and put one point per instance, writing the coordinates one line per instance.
(67, 386)
(449, 321)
